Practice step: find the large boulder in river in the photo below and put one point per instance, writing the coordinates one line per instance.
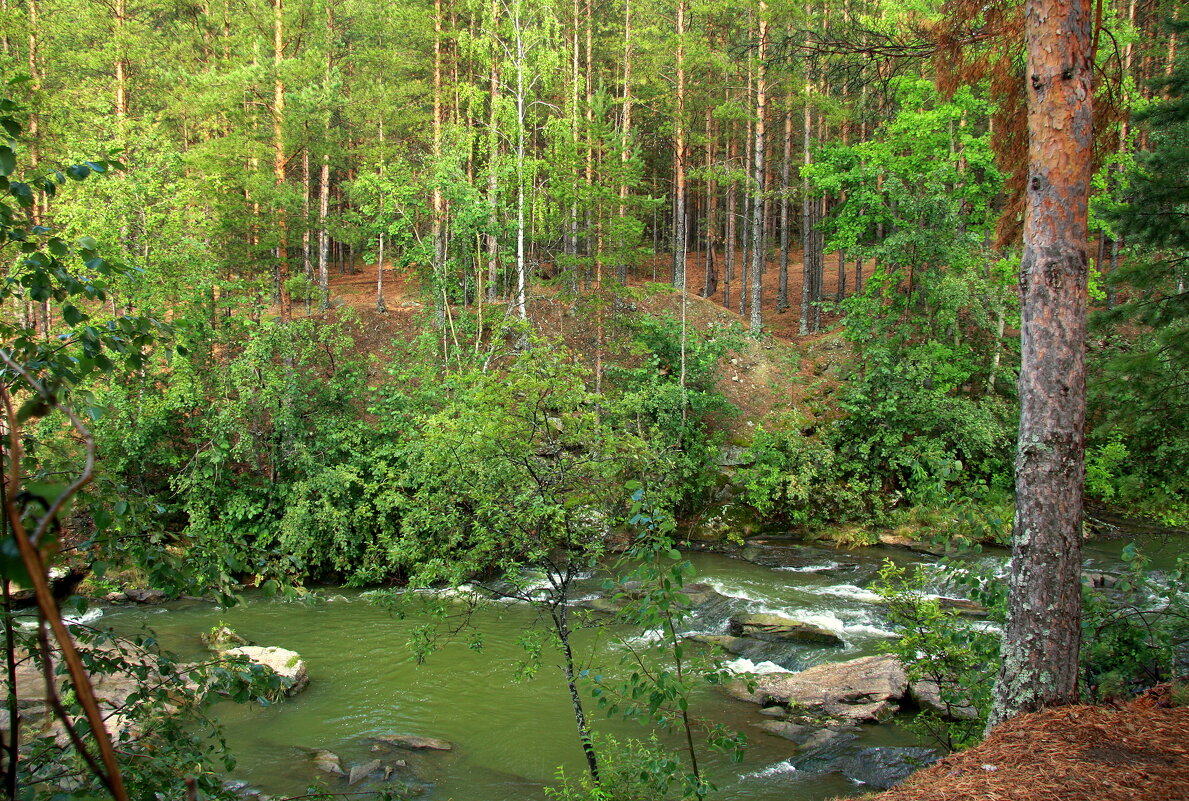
(862, 690)
(285, 663)
(775, 628)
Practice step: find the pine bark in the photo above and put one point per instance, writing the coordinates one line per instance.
(1043, 631)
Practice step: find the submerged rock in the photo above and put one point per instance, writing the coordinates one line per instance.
(963, 606)
(864, 690)
(805, 737)
(285, 663)
(361, 772)
(328, 762)
(775, 628)
(881, 768)
(221, 638)
(414, 742)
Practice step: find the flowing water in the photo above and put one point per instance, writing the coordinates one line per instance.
(512, 734)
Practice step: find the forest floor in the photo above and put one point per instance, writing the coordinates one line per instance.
(1133, 751)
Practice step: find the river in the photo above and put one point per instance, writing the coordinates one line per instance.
(511, 734)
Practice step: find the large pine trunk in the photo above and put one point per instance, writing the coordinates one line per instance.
(1043, 633)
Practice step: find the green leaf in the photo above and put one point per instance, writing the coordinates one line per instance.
(72, 315)
(22, 192)
(78, 171)
(8, 160)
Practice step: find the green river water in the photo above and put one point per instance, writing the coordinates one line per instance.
(511, 735)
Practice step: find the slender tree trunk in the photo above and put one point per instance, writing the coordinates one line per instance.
(278, 127)
(324, 176)
(121, 61)
(437, 201)
(625, 149)
(1043, 632)
(306, 198)
(711, 284)
(782, 294)
(679, 221)
(758, 248)
(729, 235)
(521, 156)
(493, 152)
(806, 220)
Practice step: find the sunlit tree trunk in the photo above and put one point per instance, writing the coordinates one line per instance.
(625, 148)
(1043, 631)
(782, 292)
(679, 221)
(493, 152)
(758, 249)
(278, 126)
(711, 284)
(324, 174)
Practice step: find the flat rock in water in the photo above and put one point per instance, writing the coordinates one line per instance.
(414, 742)
(361, 772)
(285, 663)
(774, 628)
(862, 690)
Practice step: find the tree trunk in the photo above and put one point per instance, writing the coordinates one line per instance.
(625, 149)
(493, 151)
(324, 178)
(806, 220)
(278, 128)
(711, 284)
(782, 293)
(679, 221)
(756, 321)
(1043, 631)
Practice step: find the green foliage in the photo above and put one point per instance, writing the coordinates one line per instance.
(634, 770)
(947, 653)
(1136, 631)
(661, 676)
(800, 480)
(1137, 381)
(680, 422)
(159, 713)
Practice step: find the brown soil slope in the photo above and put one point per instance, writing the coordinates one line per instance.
(1133, 752)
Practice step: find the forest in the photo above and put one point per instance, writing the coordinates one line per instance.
(592, 373)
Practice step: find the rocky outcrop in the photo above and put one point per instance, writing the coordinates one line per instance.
(775, 628)
(285, 663)
(865, 690)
